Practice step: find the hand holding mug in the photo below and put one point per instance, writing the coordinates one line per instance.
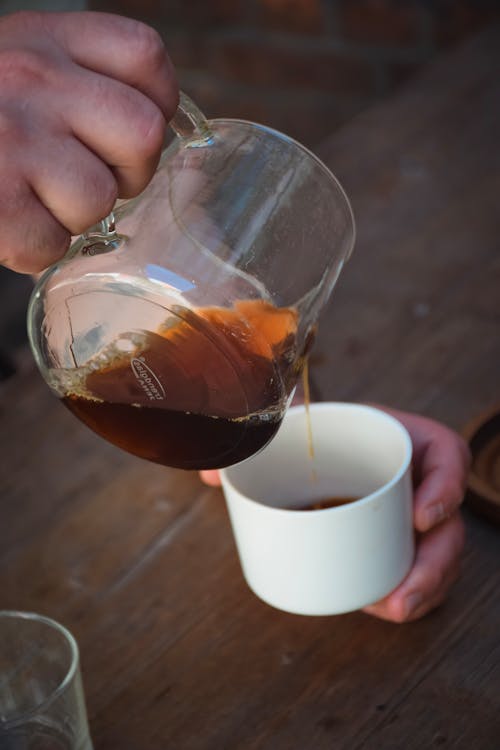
(440, 465)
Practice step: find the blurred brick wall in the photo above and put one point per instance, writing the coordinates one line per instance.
(302, 66)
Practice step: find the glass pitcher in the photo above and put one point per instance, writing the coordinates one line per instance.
(178, 327)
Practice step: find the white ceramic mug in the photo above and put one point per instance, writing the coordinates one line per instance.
(334, 560)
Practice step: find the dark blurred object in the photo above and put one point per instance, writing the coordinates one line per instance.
(7, 366)
(15, 290)
(301, 66)
(483, 491)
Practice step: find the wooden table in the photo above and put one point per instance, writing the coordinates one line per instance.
(139, 562)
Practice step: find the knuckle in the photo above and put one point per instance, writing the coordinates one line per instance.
(390, 608)
(13, 136)
(452, 494)
(22, 69)
(99, 192)
(23, 20)
(106, 192)
(147, 47)
(46, 245)
(154, 133)
(37, 250)
(398, 615)
(150, 131)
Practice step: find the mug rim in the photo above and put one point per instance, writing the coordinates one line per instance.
(339, 509)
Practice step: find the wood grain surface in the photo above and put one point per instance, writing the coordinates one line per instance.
(138, 560)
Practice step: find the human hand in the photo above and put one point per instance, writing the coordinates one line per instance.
(440, 465)
(84, 101)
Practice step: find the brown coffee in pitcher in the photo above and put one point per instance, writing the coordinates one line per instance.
(205, 391)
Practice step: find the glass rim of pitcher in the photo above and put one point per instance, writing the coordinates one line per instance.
(283, 136)
(70, 672)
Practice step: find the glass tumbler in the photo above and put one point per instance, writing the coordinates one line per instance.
(41, 695)
(177, 328)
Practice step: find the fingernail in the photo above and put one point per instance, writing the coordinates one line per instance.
(434, 515)
(412, 602)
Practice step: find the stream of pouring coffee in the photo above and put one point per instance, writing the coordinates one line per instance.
(307, 403)
(323, 503)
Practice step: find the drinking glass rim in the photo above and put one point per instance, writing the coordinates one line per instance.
(69, 638)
